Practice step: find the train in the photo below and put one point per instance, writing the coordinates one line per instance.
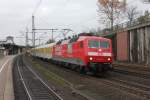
(85, 53)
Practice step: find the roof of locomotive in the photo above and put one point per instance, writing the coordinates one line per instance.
(65, 41)
(81, 38)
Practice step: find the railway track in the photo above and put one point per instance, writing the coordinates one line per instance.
(132, 84)
(34, 87)
(133, 67)
(134, 72)
(131, 87)
(135, 86)
(139, 90)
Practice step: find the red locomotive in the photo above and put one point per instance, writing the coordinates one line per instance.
(88, 53)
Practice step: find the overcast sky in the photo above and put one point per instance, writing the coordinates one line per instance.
(78, 15)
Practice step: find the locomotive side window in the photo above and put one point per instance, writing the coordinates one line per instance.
(69, 48)
(81, 44)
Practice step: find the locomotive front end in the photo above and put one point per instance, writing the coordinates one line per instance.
(99, 54)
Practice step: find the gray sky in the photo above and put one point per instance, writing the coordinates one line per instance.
(79, 15)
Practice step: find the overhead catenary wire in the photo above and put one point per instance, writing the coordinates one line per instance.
(35, 10)
(37, 7)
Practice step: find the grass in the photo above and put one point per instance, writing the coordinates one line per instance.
(50, 76)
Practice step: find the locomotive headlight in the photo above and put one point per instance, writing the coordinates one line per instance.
(100, 50)
(109, 59)
(91, 58)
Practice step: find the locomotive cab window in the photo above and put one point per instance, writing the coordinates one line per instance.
(104, 44)
(93, 44)
(98, 44)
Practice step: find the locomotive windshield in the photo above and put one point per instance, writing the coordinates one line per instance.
(104, 44)
(98, 44)
(93, 44)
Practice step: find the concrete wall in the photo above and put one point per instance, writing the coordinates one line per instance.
(140, 45)
(122, 46)
(133, 45)
(147, 47)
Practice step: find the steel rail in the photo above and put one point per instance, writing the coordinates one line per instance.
(41, 80)
(23, 82)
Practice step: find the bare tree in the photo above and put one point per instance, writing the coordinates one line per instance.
(146, 1)
(144, 18)
(132, 13)
(110, 11)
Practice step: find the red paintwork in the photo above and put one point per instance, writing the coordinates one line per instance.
(122, 46)
(62, 50)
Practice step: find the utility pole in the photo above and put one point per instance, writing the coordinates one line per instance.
(33, 31)
(26, 37)
(40, 41)
(53, 33)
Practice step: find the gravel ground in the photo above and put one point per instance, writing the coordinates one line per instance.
(95, 88)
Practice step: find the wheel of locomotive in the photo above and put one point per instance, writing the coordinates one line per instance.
(82, 70)
(73, 66)
(111, 67)
(66, 65)
(62, 64)
(107, 67)
(55, 62)
(95, 71)
(70, 65)
(77, 68)
(51, 61)
(58, 63)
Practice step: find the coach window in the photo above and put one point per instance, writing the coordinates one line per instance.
(81, 44)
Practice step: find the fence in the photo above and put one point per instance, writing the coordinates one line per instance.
(128, 24)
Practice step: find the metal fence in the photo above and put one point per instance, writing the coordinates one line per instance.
(130, 24)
